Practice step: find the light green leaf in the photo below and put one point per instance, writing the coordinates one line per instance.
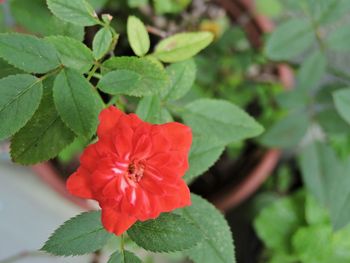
(102, 43)
(80, 235)
(44, 136)
(149, 109)
(287, 132)
(182, 46)
(312, 70)
(315, 213)
(153, 79)
(138, 36)
(45, 23)
(205, 151)
(277, 222)
(271, 8)
(182, 76)
(217, 244)
(76, 102)
(137, 3)
(169, 232)
(77, 12)
(289, 40)
(20, 96)
(170, 6)
(28, 53)
(119, 82)
(124, 257)
(72, 53)
(339, 38)
(342, 103)
(221, 120)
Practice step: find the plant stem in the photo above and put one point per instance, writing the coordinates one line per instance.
(93, 71)
(121, 244)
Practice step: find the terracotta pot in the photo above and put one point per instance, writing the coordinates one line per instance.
(243, 13)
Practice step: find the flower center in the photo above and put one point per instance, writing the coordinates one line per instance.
(135, 171)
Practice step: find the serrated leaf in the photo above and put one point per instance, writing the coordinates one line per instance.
(221, 120)
(20, 96)
(28, 53)
(119, 82)
(342, 103)
(6, 69)
(72, 53)
(205, 151)
(169, 232)
(289, 39)
(150, 109)
(76, 102)
(182, 76)
(78, 12)
(182, 46)
(124, 257)
(102, 42)
(153, 79)
(287, 132)
(80, 235)
(44, 136)
(138, 36)
(45, 23)
(217, 244)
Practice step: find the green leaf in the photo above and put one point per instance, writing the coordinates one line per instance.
(76, 102)
(72, 53)
(182, 76)
(153, 79)
(124, 257)
(137, 3)
(312, 244)
(45, 23)
(138, 36)
(342, 103)
(102, 43)
(97, 4)
(182, 46)
(170, 6)
(315, 213)
(221, 120)
(289, 40)
(77, 12)
(80, 235)
(7, 69)
(277, 222)
(169, 232)
(327, 178)
(44, 136)
(20, 96)
(271, 8)
(205, 151)
(338, 39)
(287, 132)
(28, 53)
(217, 244)
(312, 70)
(149, 109)
(119, 82)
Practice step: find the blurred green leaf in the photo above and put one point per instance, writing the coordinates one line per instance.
(124, 257)
(138, 36)
(102, 42)
(315, 213)
(339, 38)
(137, 3)
(342, 103)
(271, 8)
(170, 6)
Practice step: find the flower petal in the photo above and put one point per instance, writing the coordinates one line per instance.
(78, 184)
(108, 117)
(179, 135)
(116, 222)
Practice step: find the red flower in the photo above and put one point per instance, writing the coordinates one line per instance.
(134, 170)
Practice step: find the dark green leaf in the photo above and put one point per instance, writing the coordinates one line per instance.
(137, 3)
(102, 42)
(80, 235)
(20, 96)
(182, 46)
(217, 244)
(78, 12)
(44, 136)
(76, 102)
(28, 53)
(119, 82)
(182, 76)
(169, 232)
(138, 36)
(289, 40)
(149, 109)
(72, 53)
(6, 69)
(153, 78)
(124, 257)
(221, 120)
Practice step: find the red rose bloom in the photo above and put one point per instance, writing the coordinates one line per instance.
(134, 170)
